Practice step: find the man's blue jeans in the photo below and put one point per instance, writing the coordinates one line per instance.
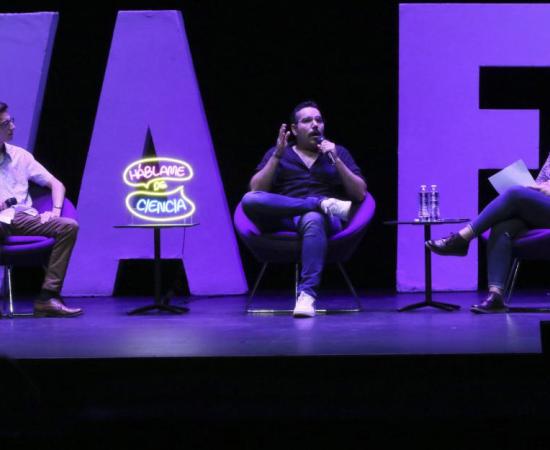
(514, 211)
(274, 212)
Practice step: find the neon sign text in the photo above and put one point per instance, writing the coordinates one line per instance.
(147, 205)
(152, 200)
(149, 170)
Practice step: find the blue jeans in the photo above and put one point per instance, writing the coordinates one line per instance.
(274, 212)
(514, 211)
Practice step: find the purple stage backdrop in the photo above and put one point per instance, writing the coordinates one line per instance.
(444, 137)
(25, 45)
(150, 84)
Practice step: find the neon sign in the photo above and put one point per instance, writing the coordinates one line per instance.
(159, 194)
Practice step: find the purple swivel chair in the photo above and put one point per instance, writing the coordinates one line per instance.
(29, 250)
(285, 247)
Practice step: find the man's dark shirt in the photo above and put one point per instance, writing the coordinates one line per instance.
(294, 179)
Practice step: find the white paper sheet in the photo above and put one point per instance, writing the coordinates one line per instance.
(516, 174)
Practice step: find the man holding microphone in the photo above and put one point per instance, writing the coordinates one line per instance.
(305, 183)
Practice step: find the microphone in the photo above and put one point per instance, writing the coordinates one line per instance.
(330, 155)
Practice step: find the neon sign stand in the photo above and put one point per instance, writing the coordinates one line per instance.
(160, 195)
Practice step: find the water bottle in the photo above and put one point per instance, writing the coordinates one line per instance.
(434, 203)
(423, 203)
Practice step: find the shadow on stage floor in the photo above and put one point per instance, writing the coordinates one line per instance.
(217, 377)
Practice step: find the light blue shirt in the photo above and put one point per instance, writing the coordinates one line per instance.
(17, 168)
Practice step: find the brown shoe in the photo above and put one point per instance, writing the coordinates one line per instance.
(54, 308)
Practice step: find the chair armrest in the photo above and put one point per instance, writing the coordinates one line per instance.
(244, 226)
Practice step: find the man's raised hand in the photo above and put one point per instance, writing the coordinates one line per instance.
(282, 140)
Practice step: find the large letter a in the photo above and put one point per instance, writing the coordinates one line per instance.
(150, 84)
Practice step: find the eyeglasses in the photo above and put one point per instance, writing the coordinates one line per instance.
(6, 123)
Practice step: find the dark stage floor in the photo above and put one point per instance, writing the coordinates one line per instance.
(217, 326)
(219, 378)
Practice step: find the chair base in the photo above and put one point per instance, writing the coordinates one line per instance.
(159, 307)
(511, 284)
(438, 305)
(528, 309)
(8, 293)
(250, 310)
(287, 312)
(509, 289)
(13, 315)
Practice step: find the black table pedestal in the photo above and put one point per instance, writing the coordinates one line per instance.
(162, 303)
(428, 280)
(428, 264)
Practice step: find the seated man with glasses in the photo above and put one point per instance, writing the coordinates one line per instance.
(18, 217)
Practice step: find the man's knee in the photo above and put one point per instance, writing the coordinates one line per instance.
(251, 200)
(313, 219)
(68, 225)
(517, 193)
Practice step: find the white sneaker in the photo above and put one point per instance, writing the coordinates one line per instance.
(304, 306)
(335, 207)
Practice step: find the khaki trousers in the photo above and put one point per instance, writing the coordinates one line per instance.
(62, 229)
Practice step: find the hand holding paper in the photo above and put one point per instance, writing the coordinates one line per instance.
(543, 187)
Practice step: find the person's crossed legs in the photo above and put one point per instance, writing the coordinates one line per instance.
(314, 219)
(508, 215)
